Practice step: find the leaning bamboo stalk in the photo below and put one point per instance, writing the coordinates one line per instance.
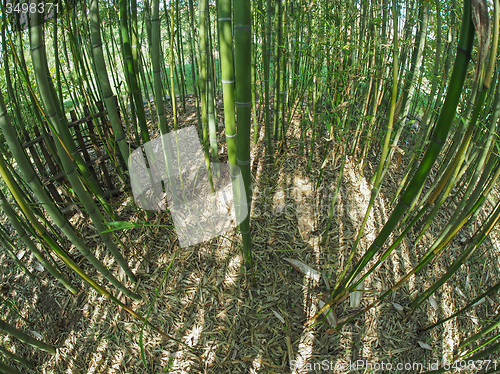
(469, 250)
(14, 220)
(14, 189)
(4, 326)
(438, 139)
(57, 117)
(4, 368)
(17, 358)
(44, 199)
(59, 122)
(385, 149)
(10, 248)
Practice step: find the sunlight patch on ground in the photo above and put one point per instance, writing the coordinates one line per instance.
(279, 200)
(117, 361)
(304, 352)
(358, 202)
(192, 337)
(233, 272)
(65, 352)
(305, 348)
(307, 213)
(256, 364)
(97, 356)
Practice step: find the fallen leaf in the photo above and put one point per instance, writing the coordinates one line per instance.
(278, 316)
(330, 317)
(304, 269)
(480, 301)
(355, 296)
(433, 302)
(398, 307)
(37, 335)
(424, 345)
(459, 291)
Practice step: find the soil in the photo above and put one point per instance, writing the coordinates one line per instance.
(231, 320)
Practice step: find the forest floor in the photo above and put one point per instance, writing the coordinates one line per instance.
(235, 321)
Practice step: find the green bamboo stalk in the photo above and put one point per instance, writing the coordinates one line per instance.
(4, 326)
(433, 251)
(194, 58)
(60, 123)
(15, 221)
(266, 53)
(469, 305)
(385, 150)
(10, 248)
(4, 368)
(438, 139)
(180, 56)
(276, 67)
(35, 184)
(172, 67)
(211, 114)
(242, 59)
(56, 116)
(66, 259)
(155, 60)
(131, 73)
(103, 78)
(227, 65)
(134, 39)
(203, 10)
(17, 358)
(282, 71)
(477, 239)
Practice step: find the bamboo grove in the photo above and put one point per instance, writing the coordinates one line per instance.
(414, 81)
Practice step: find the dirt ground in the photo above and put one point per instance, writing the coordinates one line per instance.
(234, 321)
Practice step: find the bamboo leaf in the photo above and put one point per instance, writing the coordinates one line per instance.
(329, 314)
(39, 267)
(424, 345)
(459, 291)
(433, 302)
(304, 269)
(355, 296)
(398, 307)
(121, 225)
(37, 335)
(282, 320)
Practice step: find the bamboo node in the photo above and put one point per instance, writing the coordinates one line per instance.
(247, 162)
